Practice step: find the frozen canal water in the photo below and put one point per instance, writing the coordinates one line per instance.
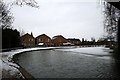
(95, 62)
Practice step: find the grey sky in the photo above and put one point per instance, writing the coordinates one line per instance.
(70, 18)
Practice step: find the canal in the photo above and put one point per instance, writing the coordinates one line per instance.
(94, 62)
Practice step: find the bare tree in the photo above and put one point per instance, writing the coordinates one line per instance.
(112, 15)
(6, 17)
(22, 32)
(92, 39)
(31, 3)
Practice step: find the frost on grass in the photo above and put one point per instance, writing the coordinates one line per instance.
(10, 72)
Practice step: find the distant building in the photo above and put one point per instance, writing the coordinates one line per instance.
(75, 42)
(43, 40)
(109, 43)
(28, 40)
(59, 40)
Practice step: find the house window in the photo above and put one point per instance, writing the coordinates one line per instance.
(31, 39)
(48, 40)
(40, 40)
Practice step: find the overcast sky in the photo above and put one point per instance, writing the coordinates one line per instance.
(70, 18)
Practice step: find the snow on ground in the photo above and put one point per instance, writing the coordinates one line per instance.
(10, 72)
(10, 69)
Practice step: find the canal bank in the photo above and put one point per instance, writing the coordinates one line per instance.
(69, 63)
(10, 69)
(8, 58)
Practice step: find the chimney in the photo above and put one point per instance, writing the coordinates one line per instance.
(31, 34)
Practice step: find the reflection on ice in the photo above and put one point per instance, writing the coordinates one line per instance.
(101, 52)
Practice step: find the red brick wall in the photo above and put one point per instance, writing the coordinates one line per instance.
(44, 39)
(27, 40)
(58, 41)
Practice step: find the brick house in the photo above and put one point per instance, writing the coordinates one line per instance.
(59, 40)
(28, 40)
(75, 42)
(43, 40)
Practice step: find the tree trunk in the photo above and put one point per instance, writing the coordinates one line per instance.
(118, 34)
